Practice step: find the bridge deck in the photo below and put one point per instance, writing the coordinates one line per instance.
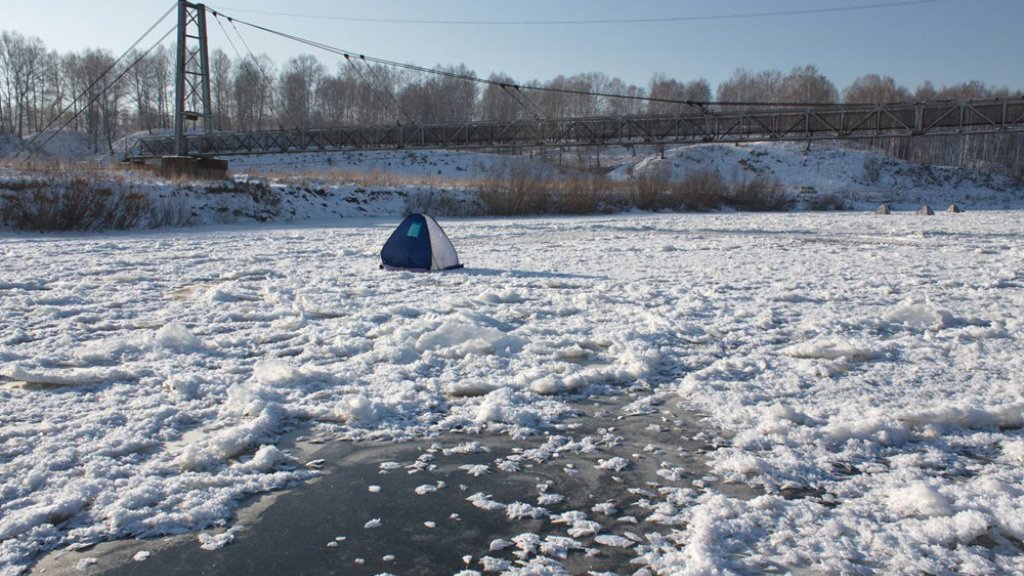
(829, 123)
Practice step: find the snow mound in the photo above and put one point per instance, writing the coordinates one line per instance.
(919, 500)
(919, 317)
(175, 337)
(458, 340)
(833, 348)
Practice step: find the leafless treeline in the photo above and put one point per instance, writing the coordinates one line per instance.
(39, 87)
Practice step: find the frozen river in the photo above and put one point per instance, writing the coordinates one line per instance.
(853, 383)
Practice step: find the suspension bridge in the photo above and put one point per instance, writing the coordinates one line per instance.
(844, 122)
(726, 122)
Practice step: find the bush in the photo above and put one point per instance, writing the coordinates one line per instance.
(440, 203)
(699, 191)
(651, 188)
(73, 203)
(259, 190)
(580, 194)
(515, 189)
(827, 203)
(872, 170)
(760, 193)
(588, 194)
(170, 212)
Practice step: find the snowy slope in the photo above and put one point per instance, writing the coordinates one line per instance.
(866, 178)
(65, 145)
(321, 186)
(862, 373)
(10, 145)
(245, 198)
(424, 165)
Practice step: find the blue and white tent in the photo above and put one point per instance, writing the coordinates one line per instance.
(419, 244)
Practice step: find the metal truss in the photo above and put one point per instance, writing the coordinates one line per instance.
(192, 74)
(830, 123)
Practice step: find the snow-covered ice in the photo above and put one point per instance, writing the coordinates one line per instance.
(864, 374)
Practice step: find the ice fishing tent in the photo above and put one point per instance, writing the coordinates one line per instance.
(419, 244)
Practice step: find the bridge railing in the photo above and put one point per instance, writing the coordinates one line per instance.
(833, 122)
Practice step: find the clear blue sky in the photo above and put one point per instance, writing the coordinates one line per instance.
(947, 41)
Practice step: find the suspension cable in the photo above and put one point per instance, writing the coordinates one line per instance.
(228, 36)
(539, 112)
(385, 88)
(99, 78)
(255, 60)
(93, 100)
(693, 103)
(700, 105)
(512, 95)
(367, 83)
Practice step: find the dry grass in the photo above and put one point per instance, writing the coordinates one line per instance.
(650, 189)
(364, 179)
(52, 166)
(54, 198)
(441, 203)
(827, 203)
(74, 203)
(698, 192)
(759, 193)
(170, 213)
(524, 189)
(584, 193)
(516, 189)
(58, 200)
(259, 190)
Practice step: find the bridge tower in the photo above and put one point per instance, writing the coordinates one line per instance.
(192, 97)
(192, 74)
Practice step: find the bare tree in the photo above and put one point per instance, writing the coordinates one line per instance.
(348, 97)
(378, 93)
(964, 91)
(807, 84)
(630, 104)
(458, 97)
(336, 95)
(502, 102)
(554, 104)
(577, 98)
(297, 88)
(253, 93)
(755, 88)
(661, 88)
(220, 90)
(698, 90)
(21, 61)
(98, 95)
(164, 77)
(875, 89)
(147, 82)
(436, 99)
(52, 92)
(926, 92)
